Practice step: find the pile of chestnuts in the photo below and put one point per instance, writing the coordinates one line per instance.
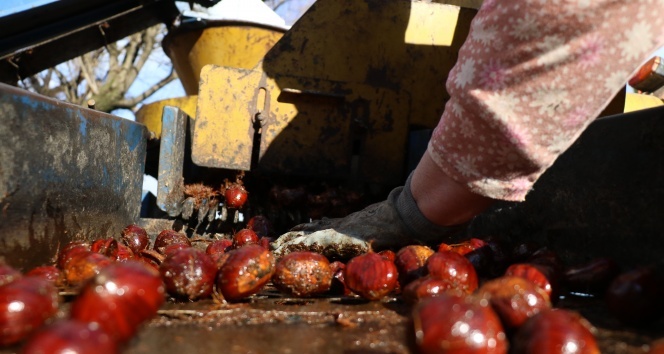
(476, 296)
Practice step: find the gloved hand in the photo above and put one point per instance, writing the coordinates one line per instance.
(391, 224)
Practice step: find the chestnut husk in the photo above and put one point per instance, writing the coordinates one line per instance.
(303, 274)
(244, 272)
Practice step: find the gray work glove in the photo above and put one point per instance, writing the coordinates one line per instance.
(391, 224)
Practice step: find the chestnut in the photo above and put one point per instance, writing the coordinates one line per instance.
(25, 304)
(464, 247)
(188, 274)
(236, 195)
(83, 266)
(410, 262)
(168, 237)
(101, 245)
(48, 272)
(635, 296)
(135, 237)
(244, 237)
(389, 255)
(217, 248)
(67, 252)
(541, 275)
(245, 271)
(454, 268)
(120, 298)
(371, 275)
(457, 325)
(554, 331)
(303, 274)
(426, 287)
(592, 277)
(514, 299)
(70, 336)
(261, 225)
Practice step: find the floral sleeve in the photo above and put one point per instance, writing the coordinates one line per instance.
(530, 77)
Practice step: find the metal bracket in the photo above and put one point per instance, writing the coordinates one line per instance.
(170, 186)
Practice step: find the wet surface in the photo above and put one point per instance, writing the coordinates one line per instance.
(271, 323)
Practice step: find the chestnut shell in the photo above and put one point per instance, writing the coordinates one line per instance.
(188, 274)
(25, 304)
(244, 272)
(303, 274)
(457, 325)
(371, 276)
(554, 331)
(70, 336)
(120, 298)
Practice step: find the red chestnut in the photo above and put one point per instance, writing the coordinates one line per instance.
(389, 255)
(635, 297)
(71, 249)
(554, 331)
(657, 347)
(25, 304)
(168, 237)
(410, 262)
(541, 275)
(265, 242)
(303, 274)
(464, 247)
(261, 225)
(245, 272)
(426, 287)
(120, 298)
(8, 274)
(454, 268)
(188, 274)
(174, 247)
(135, 237)
(371, 275)
(70, 336)
(457, 325)
(514, 299)
(101, 245)
(244, 237)
(83, 266)
(48, 272)
(235, 196)
(217, 248)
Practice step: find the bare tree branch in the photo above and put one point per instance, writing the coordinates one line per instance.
(86, 69)
(131, 102)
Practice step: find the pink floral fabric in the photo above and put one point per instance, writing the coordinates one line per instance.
(530, 77)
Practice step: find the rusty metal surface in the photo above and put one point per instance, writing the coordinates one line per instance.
(603, 197)
(67, 173)
(170, 183)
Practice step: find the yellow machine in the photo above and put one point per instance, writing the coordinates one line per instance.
(351, 91)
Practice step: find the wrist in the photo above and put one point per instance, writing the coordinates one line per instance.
(442, 200)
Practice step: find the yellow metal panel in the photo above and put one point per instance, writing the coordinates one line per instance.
(223, 128)
(309, 127)
(635, 102)
(150, 114)
(222, 43)
(431, 25)
(364, 41)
